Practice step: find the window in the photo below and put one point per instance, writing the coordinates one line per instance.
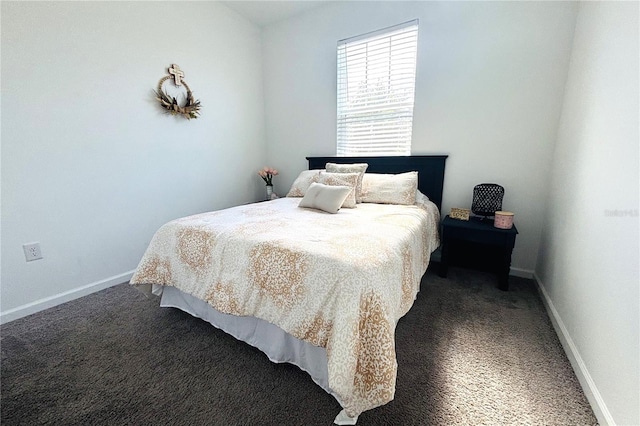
(376, 85)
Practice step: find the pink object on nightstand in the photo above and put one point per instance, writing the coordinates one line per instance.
(503, 220)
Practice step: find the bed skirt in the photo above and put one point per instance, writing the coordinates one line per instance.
(278, 345)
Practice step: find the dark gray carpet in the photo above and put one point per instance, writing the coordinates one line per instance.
(468, 354)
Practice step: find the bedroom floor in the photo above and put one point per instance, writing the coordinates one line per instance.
(467, 353)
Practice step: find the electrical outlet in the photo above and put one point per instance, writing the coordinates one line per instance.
(32, 251)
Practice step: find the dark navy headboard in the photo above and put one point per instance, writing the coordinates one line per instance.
(430, 169)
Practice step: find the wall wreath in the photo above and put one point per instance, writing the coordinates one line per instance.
(191, 108)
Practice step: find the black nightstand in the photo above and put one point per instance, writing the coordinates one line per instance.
(477, 244)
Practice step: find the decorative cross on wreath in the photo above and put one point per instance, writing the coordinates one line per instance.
(177, 74)
(191, 109)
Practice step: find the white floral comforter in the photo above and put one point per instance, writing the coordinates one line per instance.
(339, 281)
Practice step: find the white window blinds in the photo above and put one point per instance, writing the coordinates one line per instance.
(376, 85)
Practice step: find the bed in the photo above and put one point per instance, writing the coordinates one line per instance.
(321, 291)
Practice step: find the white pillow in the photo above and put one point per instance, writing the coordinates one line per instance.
(302, 182)
(390, 189)
(328, 198)
(350, 168)
(341, 179)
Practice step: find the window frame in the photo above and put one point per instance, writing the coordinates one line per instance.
(374, 106)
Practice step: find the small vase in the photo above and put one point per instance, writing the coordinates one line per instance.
(269, 191)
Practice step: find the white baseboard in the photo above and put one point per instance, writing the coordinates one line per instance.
(579, 367)
(522, 273)
(67, 296)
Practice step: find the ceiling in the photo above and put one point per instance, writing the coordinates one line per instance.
(266, 12)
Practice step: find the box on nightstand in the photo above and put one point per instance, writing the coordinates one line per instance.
(460, 214)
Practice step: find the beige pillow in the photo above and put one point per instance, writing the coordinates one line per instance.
(325, 197)
(302, 182)
(390, 189)
(350, 168)
(341, 179)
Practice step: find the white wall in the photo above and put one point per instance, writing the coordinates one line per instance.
(588, 263)
(91, 167)
(490, 78)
